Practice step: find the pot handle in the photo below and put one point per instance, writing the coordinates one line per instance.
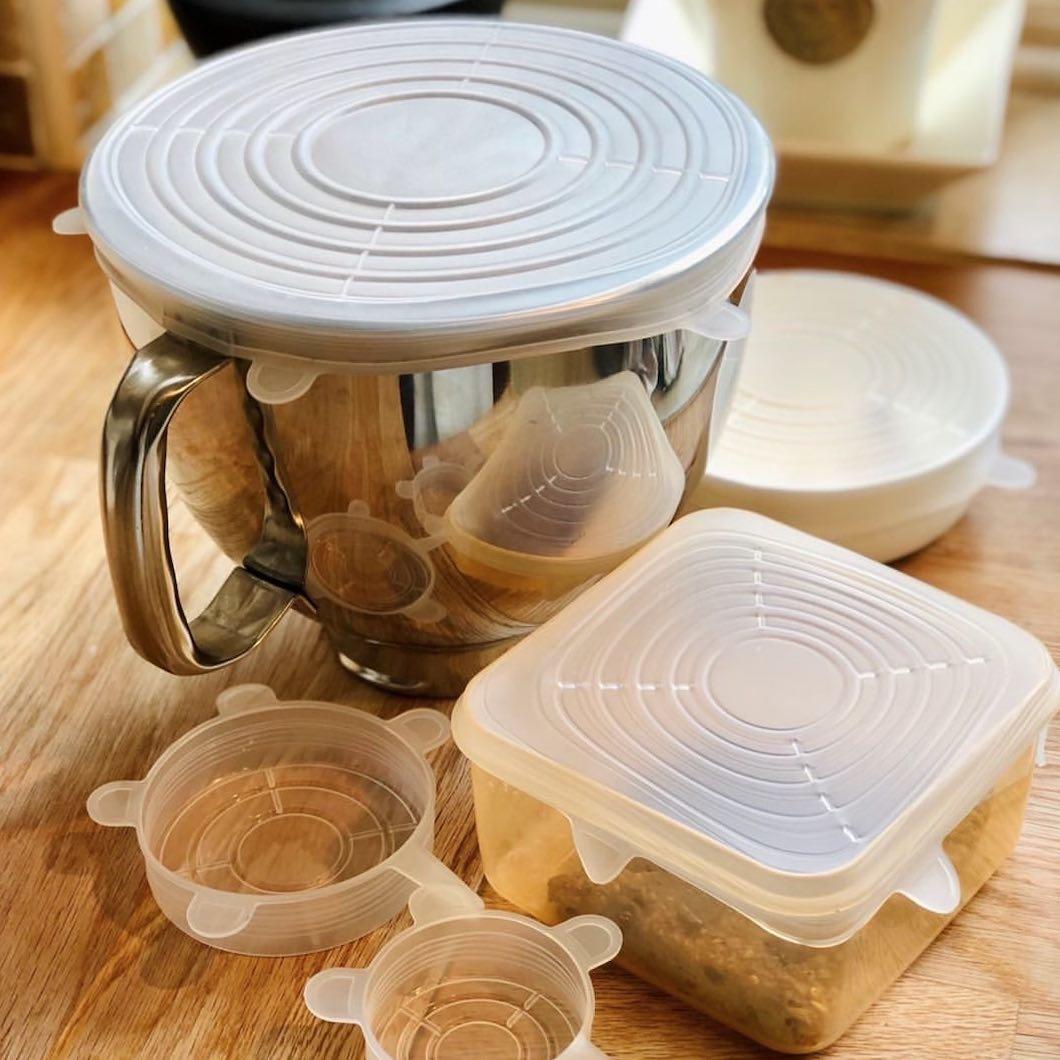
(136, 525)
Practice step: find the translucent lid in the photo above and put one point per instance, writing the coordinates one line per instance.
(281, 828)
(362, 564)
(849, 383)
(783, 723)
(584, 475)
(428, 191)
(466, 983)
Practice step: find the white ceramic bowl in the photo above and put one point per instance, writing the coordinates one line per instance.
(866, 413)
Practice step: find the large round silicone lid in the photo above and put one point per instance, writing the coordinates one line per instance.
(866, 413)
(430, 190)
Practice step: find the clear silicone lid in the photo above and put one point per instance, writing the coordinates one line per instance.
(432, 489)
(281, 828)
(465, 983)
(583, 477)
(364, 565)
(787, 725)
(849, 383)
(428, 192)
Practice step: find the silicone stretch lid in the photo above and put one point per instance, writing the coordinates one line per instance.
(367, 565)
(279, 828)
(428, 192)
(787, 725)
(583, 477)
(850, 383)
(464, 982)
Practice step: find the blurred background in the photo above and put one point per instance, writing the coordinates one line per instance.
(901, 125)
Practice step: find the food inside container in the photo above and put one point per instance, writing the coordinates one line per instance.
(780, 767)
(790, 997)
(465, 982)
(585, 475)
(282, 828)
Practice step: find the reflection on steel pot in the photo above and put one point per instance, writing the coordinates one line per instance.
(427, 343)
(211, 26)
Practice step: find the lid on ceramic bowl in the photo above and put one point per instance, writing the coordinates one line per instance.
(787, 725)
(430, 193)
(467, 982)
(865, 412)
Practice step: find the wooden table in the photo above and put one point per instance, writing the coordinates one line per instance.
(89, 966)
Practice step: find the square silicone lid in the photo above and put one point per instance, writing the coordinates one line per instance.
(785, 724)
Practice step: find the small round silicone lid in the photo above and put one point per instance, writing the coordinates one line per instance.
(279, 828)
(787, 725)
(464, 982)
(368, 565)
(850, 382)
(428, 191)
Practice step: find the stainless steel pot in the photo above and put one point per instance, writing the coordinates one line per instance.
(257, 475)
(430, 319)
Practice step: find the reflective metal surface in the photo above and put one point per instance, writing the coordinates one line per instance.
(135, 522)
(340, 496)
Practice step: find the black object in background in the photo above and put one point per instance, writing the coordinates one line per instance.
(213, 25)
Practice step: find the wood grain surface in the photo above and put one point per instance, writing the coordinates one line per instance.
(90, 968)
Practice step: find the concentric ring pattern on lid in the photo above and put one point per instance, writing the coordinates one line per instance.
(851, 382)
(429, 190)
(787, 725)
(285, 827)
(866, 413)
(583, 477)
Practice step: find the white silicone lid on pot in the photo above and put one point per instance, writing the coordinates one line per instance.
(428, 193)
(865, 412)
(280, 828)
(785, 724)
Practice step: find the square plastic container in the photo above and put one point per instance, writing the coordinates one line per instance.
(780, 767)
(281, 828)
(465, 983)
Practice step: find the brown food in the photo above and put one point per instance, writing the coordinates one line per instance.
(790, 997)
